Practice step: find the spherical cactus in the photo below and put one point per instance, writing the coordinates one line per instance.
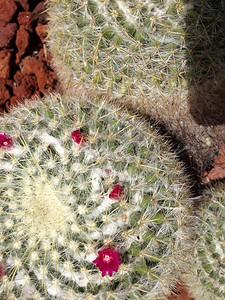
(93, 205)
(121, 47)
(163, 58)
(137, 48)
(207, 280)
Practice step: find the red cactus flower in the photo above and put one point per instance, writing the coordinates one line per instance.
(117, 192)
(78, 137)
(107, 261)
(5, 141)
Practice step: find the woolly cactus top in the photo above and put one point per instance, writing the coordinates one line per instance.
(137, 47)
(92, 205)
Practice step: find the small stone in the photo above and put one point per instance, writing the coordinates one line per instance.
(7, 10)
(30, 65)
(22, 42)
(7, 33)
(45, 77)
(24, 18)
(27, 87)
(41, 31)
(4, 92)
(18, 77)
(5, 56)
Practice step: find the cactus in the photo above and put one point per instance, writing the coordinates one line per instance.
(137, 48)
(121, 47)
(207, 281)
(163, 58)
(93, 204)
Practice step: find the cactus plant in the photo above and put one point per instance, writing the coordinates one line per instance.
(122, 47)
(207, 281)
(164, 58)
(135, 48)
(93, 204)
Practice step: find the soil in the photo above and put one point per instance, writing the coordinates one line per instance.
(25, 70)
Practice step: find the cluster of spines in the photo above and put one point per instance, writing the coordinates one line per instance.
(79, 179)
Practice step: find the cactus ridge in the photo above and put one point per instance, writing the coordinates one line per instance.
(114, 185)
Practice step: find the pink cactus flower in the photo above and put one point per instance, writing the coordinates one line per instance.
(5, 141)
(107, 261)
(117, 192)
(79, 137)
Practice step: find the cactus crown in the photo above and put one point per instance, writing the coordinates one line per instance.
(92, 204)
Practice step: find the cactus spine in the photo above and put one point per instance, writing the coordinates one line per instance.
(93, 205)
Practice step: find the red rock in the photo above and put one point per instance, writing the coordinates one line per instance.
(22, 42)
(7, 10)
(2, 109)
(5, 56)
(24, 4)
(4, 92)
(45, 77)
(9, 83)
(24, 18)
(7, 32)
(41, 31)
(18, 77)
(30, 65)
(45, 80)
(218, 170)
(27, 87)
